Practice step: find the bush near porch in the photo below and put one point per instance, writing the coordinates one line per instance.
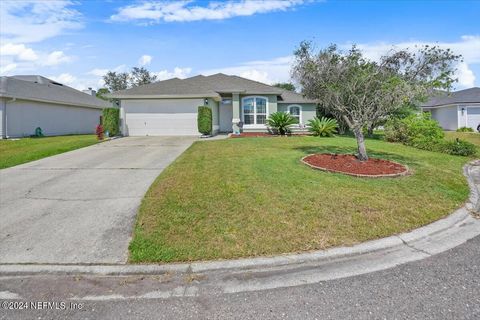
(251, 197)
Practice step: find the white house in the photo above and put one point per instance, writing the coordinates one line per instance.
(29, 102)
(456, 109)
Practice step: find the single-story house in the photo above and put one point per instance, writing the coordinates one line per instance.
(170, 107)
(31, 101)
(456, 109)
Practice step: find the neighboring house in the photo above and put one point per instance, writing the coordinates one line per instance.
(28, 102)
(170, 107)
(456, 109)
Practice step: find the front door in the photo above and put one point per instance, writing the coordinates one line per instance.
(226, 115)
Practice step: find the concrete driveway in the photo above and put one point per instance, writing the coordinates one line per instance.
(80, 206)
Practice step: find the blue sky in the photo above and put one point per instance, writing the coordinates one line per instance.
(76, 42)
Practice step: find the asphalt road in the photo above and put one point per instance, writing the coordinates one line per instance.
(444, 286)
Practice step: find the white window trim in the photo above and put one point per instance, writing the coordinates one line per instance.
(255, 125)
(300, 119)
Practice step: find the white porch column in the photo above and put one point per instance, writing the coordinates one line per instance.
(235, 113)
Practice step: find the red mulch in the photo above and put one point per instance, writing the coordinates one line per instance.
(262, 134)
(349, 164)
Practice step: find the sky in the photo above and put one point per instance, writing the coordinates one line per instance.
(77, 42)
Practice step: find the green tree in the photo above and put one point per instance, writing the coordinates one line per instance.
(361, 92)
(285, 85)
(101, 94)
(141, 76)
(115, 81)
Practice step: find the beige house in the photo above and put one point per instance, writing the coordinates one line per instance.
(170, 107)
(30, 102)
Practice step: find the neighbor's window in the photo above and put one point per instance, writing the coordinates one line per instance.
(296, 112)
(254, 110)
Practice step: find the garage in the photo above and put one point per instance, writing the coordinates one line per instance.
(160, 117)
(473, 117)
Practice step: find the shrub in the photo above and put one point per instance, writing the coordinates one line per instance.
(414, 130)
(458, 147)
(324, 127)
(99, 132)
(395, 130)
(281, 122)
(204, 120)
(465, 129)
(111, 119)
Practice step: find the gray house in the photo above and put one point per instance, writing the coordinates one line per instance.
(456, 109)
(28, 102)
(170, 107)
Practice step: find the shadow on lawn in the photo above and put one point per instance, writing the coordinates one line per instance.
(353, 150)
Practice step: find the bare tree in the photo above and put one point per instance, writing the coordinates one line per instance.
(359, 91)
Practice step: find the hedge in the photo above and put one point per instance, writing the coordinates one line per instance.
(204, 120)
(111, 120)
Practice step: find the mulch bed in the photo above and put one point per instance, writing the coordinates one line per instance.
(349, 164)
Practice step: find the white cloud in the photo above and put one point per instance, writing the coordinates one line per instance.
(25, 58)
(64, 78)
(266, 71)
(175, 73)
(468, 47)
(145, 60)
(156, 11)
(56, 58)
(18, 51)
(34, 21)
(8, 68)
(100, 72)
(466, 77)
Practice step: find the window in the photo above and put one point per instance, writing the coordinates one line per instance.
(254, 110)
(296, 112)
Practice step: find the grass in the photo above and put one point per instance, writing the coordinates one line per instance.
(15, 152)
(472, 137)
(252, 196)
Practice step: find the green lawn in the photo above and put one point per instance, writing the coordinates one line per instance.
(252, 196)
(14, 152)
(472, 137)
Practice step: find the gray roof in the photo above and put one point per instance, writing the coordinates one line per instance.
(208, 87)
(441, 98)
(38, 88)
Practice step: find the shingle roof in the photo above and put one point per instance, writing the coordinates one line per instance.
(471, 95)
(171, 87)
(38, 88)
(208, 86)
(293, 97)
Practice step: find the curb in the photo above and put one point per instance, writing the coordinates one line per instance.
(439, 236)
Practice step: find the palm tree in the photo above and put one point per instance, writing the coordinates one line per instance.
(281, 122)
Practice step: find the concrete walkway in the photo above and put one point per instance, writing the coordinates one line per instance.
(80, 206)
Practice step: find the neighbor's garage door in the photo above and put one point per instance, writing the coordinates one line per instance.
(473, 117)
(161, 117)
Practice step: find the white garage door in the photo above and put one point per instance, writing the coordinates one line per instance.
(161, 117)
(473, 117)
(161, 124)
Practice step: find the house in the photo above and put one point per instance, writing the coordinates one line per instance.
(32, 101)
(456, 109)
(170, 107)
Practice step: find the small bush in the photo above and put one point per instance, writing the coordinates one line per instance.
(204, 120)
(324, 127)
(111, 120)
(280, 122)
(465, 129)
(395, 131)
(99, 132)
(458, 147)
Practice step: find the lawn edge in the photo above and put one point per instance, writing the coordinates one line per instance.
(436, 237)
